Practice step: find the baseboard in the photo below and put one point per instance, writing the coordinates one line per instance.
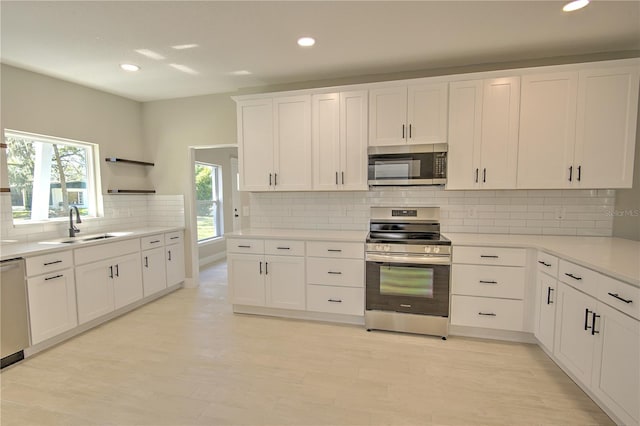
(488, 333)
(213, 258)
(302, 315)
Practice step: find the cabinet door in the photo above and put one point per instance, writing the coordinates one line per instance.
(388, 116)
(427, 113)
(465, 125)
(326, 141)
(546, 296)
(175, 264)
(574, 344)
(52, 304)
(500, 118)
(246, 279)
(127, 285)
(94, 290)
(292, 133)
(353, 140)
(606, 127)
(255, 140)
(285, 286)
(547, 130)
(616, 373)
(154, 276)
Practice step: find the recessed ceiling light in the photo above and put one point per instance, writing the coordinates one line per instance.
(184, 69)
(150, 54)
(184, 46)
(129, 67)
(306, 41)
(240, 72)
(575, 5)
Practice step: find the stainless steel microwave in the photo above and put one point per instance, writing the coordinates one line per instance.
(408, 165)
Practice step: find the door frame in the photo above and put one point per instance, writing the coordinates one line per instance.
(190, 214)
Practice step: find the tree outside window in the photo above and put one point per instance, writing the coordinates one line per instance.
(48, 175)
(208, 200)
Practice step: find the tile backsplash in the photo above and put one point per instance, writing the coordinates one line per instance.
(551, 212)
(121, 212)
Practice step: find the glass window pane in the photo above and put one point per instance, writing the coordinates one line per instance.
(208, 201)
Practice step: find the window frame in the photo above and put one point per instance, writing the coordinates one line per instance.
(93, 184)
(217, 190)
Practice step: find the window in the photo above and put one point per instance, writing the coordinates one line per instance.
(48, 175)
(209, 200)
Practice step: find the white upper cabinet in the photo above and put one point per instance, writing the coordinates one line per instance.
(547, 129)
(339, 139)
(255, 139)
(483, 134)
(274, 137)
(578, 128)
(414, 114)
(606, 127)
(292, 140)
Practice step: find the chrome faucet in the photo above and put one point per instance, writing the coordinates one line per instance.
(73, 230)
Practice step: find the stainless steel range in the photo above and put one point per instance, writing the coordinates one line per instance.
(408, 271)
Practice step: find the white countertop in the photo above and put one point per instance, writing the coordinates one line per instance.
(301, 234)
(616, 257)
(12, 250)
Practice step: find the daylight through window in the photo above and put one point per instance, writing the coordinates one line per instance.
(48, 175)
(208, 200)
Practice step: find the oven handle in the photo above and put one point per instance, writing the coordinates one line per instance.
(431, 259)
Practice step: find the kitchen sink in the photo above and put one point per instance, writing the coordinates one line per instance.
(86, 239)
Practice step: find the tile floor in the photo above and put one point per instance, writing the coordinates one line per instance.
(186, 359)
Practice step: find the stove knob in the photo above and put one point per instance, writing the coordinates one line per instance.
(427, 249)
(387, 247)
(436, 249)
(378, 247)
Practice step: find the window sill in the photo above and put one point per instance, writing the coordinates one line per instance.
(210, 241)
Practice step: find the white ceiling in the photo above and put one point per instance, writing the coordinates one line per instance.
(85, 41)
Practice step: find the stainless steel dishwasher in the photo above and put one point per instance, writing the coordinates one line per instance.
(14, 322)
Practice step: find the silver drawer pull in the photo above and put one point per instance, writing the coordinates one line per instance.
(334, 273)
(404, 306)
(488, 282)
(490, 314)
(335, 250)
(54, 277)
(52, 263)
(334, 300)
(544, 263)
(489, 256)
(617, 296)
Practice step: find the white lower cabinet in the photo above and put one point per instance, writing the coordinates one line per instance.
(574, 342)
(546, 295)
(127, 282)
(52, 304)
(488, 287)
(616, 372)
(94, 289)
(275, 281)
(154, 273)
(174, 256)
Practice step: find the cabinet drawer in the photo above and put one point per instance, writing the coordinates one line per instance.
(241, 245)
(173, 237)
(489, 281)
(284, 247)
(486, 312)
(49, 262)
(579, 277)
(152, 241)
(619, 295)
(335, 249)
(336, 272)
(547, 264)
(335, 300)
(106, 251)
(490, 256)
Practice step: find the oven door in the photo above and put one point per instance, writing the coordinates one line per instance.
(401, 285)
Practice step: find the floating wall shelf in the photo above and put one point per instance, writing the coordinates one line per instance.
(131, 191)
(124, 160)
